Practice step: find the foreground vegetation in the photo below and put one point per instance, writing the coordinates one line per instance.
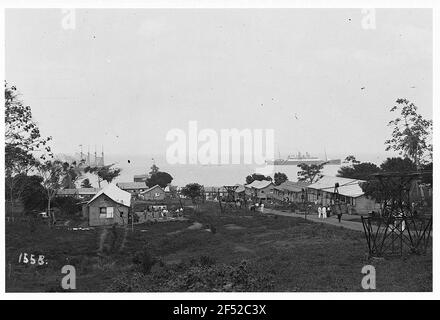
(241, 252)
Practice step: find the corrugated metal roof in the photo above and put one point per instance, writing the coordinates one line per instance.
(141, 176)
(131, 185)
(214, 189)
(347, 187)
(66, 192)
(117, 195)
(79, 191)
(240, 188)
(292, 186)
(149, 189)
(84, 191)
(259, 184)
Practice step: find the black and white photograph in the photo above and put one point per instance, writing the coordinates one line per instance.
(218, 150)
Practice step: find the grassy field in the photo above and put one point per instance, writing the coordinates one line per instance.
(246, 252)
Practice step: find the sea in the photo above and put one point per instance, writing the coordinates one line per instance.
(211, 175)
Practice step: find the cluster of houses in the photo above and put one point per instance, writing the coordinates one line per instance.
(321, 192)
(112, 204)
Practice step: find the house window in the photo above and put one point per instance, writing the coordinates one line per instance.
(106, 212)
(109, 212)
(102, 212)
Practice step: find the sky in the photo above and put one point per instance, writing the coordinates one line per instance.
(123, 78)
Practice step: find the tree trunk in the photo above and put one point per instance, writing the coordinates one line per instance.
(48, 212)
(51, 215)
(12, 203)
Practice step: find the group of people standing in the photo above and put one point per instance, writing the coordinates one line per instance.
(323, 212)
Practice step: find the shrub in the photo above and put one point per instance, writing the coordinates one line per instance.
(67, 205)
(144, 260)
(199, 276)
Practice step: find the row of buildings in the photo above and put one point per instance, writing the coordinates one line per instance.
(137, 189)
(322, 192)
(112, 204)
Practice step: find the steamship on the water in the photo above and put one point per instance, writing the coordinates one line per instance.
(294, 160)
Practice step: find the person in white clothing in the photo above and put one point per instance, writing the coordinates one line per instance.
(324, 212)
(319, 212)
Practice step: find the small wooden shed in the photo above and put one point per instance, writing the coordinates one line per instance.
(109, 206)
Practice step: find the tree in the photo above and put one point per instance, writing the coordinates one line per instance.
(398, 165)
(279, 178)
(72, 172)
(412, 134)
(310, 172)
(21, 131)
(18, 163)
(52, 174)
(154, 169)
(428, 178)
(86, 183)
(351, 159)
(33, 195)
(104, 173)
(194, 191)
(359, 170)
(159, 178)
(391, 187)
(22, 142)
(258, 177)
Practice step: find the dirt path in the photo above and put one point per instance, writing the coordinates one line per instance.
(333, 220)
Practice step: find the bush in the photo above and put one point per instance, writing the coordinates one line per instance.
(199, 276)
(131, 282)
(67, 205)
(144, 261)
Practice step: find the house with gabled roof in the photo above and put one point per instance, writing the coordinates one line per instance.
(78, 193)
(262, 190)
(109, 206)
(155, 193)
(349, 191)
(133, 187)
(290, 191)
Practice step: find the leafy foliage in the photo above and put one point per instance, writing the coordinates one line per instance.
(104, 173)
(72, 172)
(257, 177)
(22, 142)
(194, 191)
(359, 170)
(52, 174)
(17, 165)
(86, 183)
(202, 275)
(412, 134)
(159, 178)
(154, 169)
(279, 178)
(351, 159)
(392, 188)
(21, 131)
(33, 194)
(310, 172)
(144, 260)
(67, 205)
